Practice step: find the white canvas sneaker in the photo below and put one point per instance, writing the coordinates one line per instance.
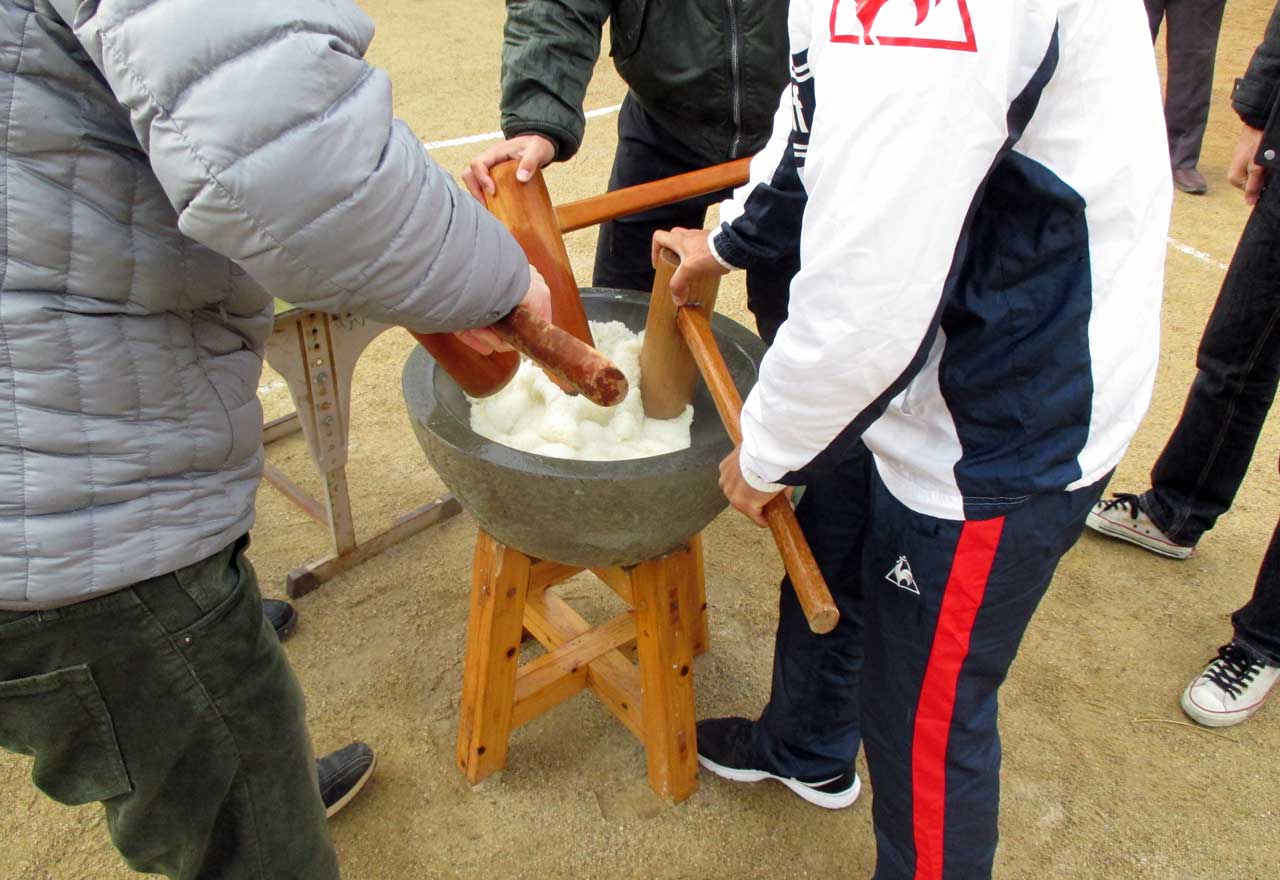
(1232, 687)
(1123, 517)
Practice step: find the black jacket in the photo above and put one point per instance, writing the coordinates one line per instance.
(1257, 94)
(710, 72)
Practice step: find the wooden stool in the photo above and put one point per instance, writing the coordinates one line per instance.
(665, 622)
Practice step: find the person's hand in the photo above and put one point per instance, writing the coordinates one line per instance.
(696, 259)
(1244, 173)
(537, 299)
(533, 150)
(741, 494)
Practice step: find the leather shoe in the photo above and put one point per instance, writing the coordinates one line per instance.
(342, 774)
(1189, 180)
(282, 616)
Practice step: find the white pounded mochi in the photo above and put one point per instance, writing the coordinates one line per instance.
(534, 415)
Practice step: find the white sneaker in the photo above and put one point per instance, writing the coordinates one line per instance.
(1123, 517)
(726, 747)
(1232, 687)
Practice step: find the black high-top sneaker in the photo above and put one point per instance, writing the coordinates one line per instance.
(727, 749)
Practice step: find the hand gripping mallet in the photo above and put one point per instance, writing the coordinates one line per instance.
(575, 365)
(563, 349)
(669, 379)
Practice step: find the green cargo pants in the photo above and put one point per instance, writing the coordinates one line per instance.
(173, 704)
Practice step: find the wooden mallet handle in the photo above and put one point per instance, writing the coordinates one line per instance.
(525, 209)
(576, 365)
(806, 578)
(669, 371)
(641, 197)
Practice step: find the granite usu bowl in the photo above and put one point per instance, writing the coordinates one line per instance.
(585, 513)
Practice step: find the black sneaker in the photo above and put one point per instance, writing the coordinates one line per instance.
(727, 749)
(283, 617)
(343, 773)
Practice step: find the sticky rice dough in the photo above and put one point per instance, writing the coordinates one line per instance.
(534, 415)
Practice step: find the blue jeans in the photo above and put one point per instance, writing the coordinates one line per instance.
(1205, 459)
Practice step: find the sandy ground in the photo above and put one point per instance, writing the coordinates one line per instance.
(1101, 779)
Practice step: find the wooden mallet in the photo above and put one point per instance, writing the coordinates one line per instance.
(678, 344)
(563, 348)
(576, 366)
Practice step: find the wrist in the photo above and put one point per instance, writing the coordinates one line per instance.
(757, 482)
(715, 252)
(562, 147)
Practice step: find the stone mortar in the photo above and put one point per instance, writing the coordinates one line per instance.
(585, 513)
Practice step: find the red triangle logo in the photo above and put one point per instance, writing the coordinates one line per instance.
(923, 24)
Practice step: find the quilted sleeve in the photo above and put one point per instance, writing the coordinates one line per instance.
(549, 52)
(275, 142)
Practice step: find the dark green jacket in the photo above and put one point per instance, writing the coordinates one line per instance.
(708, 71)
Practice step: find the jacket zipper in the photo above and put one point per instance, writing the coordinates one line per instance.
(735, 66)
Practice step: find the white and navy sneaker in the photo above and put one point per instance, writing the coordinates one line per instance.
(1123, 517)
(1232, 687)
(726, 748)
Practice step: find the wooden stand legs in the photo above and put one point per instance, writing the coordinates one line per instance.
(499, 582)
(316, 353)
(665, 622)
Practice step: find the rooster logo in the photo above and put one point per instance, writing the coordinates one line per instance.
(923, 24)
(900, 575)
(869, 9)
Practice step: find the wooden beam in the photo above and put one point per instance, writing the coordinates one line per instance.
(634, 199)
(499, 580)
(304, 579)
(697, 597)
(664, 641)
(277, 429)
(548, 574)
(554, 677)
(617, 580)
(611, 676)
(292, 491)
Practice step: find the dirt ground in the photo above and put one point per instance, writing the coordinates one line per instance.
(1102, 779)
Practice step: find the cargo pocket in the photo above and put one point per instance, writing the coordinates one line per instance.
(59, 718)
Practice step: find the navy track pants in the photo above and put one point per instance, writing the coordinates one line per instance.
(932, 613)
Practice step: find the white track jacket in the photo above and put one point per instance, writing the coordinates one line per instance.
(981, 192)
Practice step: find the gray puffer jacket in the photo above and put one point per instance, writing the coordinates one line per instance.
(165, 164)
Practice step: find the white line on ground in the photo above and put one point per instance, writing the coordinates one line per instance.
(497, 135)
(1197, 254)
(605, 111)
